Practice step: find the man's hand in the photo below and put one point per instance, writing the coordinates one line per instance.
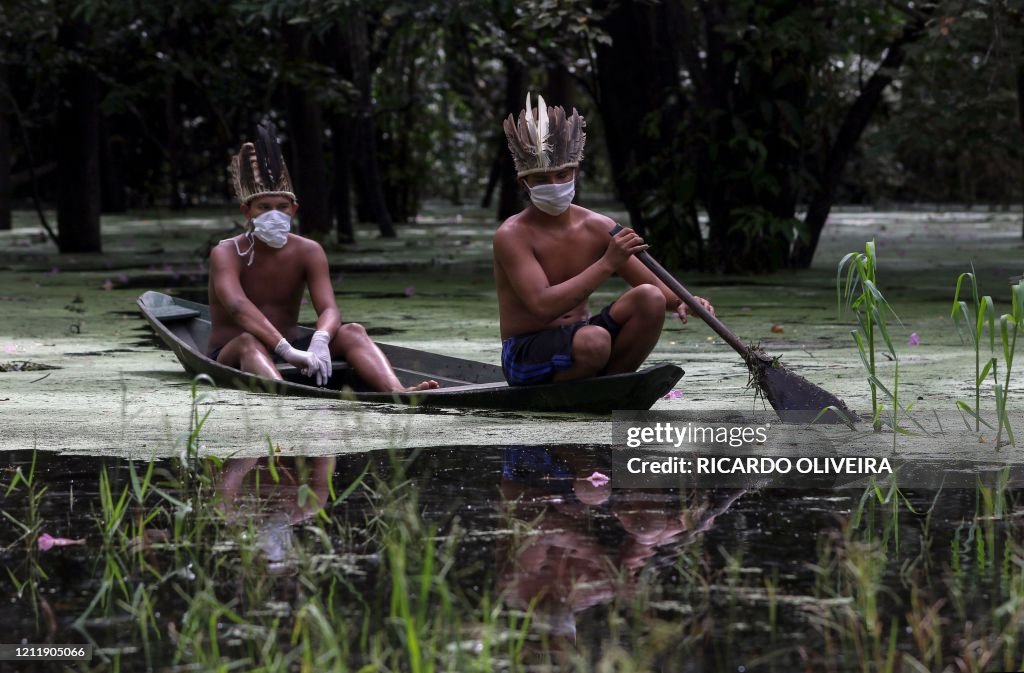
(303, 360)
(319, 346)
(683, 311)
(622, 246)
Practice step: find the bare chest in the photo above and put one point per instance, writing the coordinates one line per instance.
(275, 279)
(564, 256)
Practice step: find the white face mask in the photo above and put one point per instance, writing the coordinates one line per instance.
(272, 228)
(553, 199)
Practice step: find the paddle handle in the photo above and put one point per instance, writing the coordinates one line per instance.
(669, 280)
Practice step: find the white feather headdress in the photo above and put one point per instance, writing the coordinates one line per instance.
(547, 140)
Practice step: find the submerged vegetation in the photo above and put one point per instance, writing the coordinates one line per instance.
(459, 560)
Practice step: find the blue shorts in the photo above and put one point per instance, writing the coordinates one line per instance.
(302, 343)
(529, 359)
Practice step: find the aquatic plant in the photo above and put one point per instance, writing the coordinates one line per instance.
(1010, 325)
(861, 295)
(980, 310)
(29, 526)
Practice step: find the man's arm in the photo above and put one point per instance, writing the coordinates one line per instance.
(228, 287)
(635, 273)
(321, 293)
(530, 282)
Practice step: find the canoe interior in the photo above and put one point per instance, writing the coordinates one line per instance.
(184, 326)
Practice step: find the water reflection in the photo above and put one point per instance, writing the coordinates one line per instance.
(273, 494)
(429, 559)
(580, 541)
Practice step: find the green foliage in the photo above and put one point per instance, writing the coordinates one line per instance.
(983, 312)
(860, 293)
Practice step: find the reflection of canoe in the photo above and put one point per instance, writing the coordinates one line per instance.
(185, 327)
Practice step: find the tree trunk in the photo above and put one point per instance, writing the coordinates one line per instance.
(336, 52)
(509, 201)
(306, 131)
(559, 88)
(176, 199)
(6, 113)
(111, 171)
(1020, 107)
(634, 75)
(367, 168)
(494, 174)
(341, 144)
(838, 151)
(78, 201)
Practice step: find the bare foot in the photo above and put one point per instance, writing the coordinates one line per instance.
(426, 385)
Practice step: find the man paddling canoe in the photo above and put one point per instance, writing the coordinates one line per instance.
(257, 280)
(552, 256)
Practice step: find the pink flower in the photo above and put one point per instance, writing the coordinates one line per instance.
(914, 340)
(598, 480)
(410, 291)
(47, 542)
(673, 394)
(10, 348)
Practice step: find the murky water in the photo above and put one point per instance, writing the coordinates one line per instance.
(485, 558)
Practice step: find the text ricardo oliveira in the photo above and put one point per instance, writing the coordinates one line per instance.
(850, 465)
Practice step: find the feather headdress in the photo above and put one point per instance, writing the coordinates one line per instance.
(259, 170)
(547, 140)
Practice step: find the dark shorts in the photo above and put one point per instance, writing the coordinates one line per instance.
(529, 359)
(302, 343)
(536, 466)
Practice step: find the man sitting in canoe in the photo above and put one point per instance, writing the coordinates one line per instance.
(257, 280)
(552, 256)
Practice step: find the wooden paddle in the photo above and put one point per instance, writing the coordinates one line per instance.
(792, 396)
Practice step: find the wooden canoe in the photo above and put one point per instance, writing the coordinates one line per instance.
(184, 326)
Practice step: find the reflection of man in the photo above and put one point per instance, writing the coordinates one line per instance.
(280, 499)
(563, 564)
(549, 258)
(257, 281)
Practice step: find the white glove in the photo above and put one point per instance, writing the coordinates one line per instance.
(319, 346)
(304, 360)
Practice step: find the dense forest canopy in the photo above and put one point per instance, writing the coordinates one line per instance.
(761, 114)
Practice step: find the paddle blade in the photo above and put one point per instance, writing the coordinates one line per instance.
(797, 400)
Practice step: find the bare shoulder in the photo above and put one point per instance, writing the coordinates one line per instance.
(596, 222)
(225, 249)
(511, 231)
(306, 245)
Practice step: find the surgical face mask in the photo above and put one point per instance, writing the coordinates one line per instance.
(553, 199)
(272, 228)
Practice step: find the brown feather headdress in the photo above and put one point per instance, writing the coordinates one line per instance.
(546, 141)
(259, 170)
